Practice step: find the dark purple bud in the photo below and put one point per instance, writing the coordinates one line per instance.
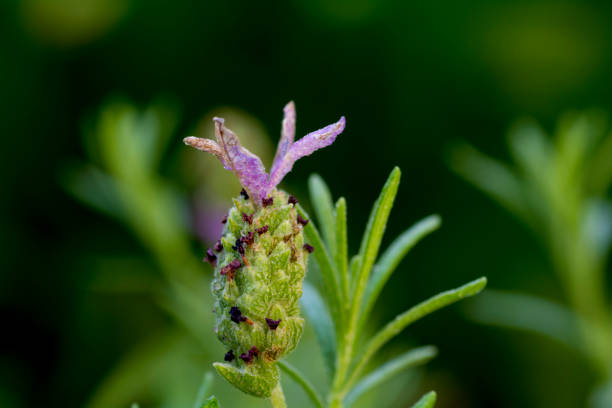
(267, 201)
(273, 324)
(292, 200)
(247, 218)
(218, 246)
(230, 269)
(302, 220)
(238, 246)
(211, 258)
(247, 358)
(244, 194)
(254, 351)
(308, 248)
(224, 220)
(236, 315)
(263, 229)
(230, 273)
(249, 238)
(229, 356)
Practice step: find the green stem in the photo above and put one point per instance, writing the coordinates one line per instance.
(277, 399)
(346, 343)
(303, 382)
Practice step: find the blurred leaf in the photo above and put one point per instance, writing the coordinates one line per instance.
(132, 141)
(600, 175)
(415, 313)
(318, 316)
(164, 117)
(601, 396)
(321, 200)
(303, 382)
(526, 312)
(373, 235)
(204, 389)
(533, 153)
(342, 248)
(392, 257)
(598, 226)
(427, 401)
(137, 372)
(94, 188)
(492, 177)
(189, 308)
(389, 370)
(577, 134)
(123, 275)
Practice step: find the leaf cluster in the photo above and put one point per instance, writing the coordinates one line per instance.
(351, 287)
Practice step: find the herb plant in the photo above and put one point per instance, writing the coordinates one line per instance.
(560, 188)
(122, 180)
(260, 262)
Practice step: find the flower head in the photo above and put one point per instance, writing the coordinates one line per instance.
(248, 167)
(260, 260)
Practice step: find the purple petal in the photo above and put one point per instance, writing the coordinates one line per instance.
(248, 168)
(304, 147)
(207, 145)
(287, 135)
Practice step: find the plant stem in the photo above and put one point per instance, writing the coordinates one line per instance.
(277, 399)
(345, 354)
(301, 380)
(582, 270)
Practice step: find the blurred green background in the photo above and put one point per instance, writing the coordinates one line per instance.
(80, 291)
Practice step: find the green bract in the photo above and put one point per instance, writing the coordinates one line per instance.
(257, 303)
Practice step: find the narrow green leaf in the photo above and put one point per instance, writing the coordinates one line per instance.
(303, 382)
(342, 247)
(164, 115)
(354, 269)
(93, 187)
(532, 151)
(204, 389)
(411, 315)
(322, 202)
(211, 402)
(134, 405)
(388, 370)
(392, 257)
(318, 316)
(492, 177)
(372, 238)
(320, 254)
(427, 401)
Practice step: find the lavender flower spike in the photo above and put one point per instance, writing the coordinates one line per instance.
(249, 168)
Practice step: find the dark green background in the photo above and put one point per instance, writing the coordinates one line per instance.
(410, 77)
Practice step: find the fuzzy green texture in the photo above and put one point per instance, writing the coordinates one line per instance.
(267, 285)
